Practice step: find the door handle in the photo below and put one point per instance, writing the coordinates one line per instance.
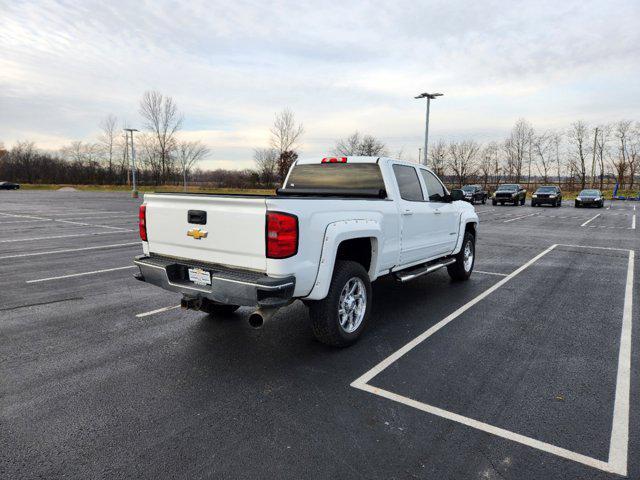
(407, 212)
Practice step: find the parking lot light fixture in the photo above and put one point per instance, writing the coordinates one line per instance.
(429, 97)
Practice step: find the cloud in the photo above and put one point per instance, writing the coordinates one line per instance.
(340, 66)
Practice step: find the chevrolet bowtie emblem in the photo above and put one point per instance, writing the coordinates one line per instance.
(197, 233)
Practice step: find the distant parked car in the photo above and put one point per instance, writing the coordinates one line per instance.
(475, 193)
(9, 186)
(509, 193)
(590, 198)
(549, 194)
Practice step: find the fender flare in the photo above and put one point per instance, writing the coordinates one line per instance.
(335, 233)
(465, 219)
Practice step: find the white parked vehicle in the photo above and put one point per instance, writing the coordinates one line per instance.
(335, 226)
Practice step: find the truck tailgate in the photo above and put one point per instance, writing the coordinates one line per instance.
(233, 235)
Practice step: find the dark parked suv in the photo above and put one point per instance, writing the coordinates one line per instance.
(509, 193)
(475, 193)
(547, 194)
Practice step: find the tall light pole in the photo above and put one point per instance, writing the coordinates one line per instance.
(429, 97)
(134, 190)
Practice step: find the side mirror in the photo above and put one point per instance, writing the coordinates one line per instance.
(456, 194)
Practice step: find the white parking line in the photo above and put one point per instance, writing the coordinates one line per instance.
(22, 216)
(53, 237)
(125, 217)
(64, 221)
(80, 274)
(83, 249)
(518, 218)
(633, 221)
(591, 219)
(160, 310)
(91, 225)
(491, 273)
(619, 443)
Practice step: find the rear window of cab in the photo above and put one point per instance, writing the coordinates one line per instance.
(343, 176)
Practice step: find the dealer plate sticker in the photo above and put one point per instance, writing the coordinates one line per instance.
(199, 276)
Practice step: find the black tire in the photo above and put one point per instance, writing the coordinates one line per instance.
(576, 205)
(524, 199)
(217, 309)
(325, 320)
(457, 270)
(484, 200)
(494, 202)
(533, 204)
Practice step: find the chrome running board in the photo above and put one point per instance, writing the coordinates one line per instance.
(405, 276)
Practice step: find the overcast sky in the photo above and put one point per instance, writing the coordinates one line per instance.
(340, 66)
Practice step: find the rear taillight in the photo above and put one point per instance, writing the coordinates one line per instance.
(282, 235)
(142, 222)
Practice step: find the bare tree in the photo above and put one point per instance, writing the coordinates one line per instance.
(161, 117)
(285, 135)
(188, 155)
(462, 159)
(489, 163)
(267, 162)
(516, 148)
(355, 144)
(108, 139)
(438, 157)
(578, 136)
(634, 153)
(555, 140)
(601, 134)
(543, 150)
(622, 132)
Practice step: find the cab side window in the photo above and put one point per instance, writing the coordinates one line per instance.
(408, 183)
(436, 191)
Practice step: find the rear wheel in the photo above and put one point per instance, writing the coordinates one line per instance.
(465, 258)
(341, 317)
(217, 309)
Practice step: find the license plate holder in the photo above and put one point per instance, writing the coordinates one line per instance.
(199, 276)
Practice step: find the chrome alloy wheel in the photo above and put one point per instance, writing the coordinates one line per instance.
(468, 256)
(352, 305)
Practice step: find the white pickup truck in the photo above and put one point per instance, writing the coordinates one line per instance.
(335, 226)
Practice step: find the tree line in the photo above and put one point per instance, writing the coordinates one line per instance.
(579, 156)
(162, 156)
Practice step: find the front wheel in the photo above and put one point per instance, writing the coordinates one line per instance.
(484, 200)
(494, 203)
(340, 318)
(465, 258)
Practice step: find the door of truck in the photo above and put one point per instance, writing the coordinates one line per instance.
(443, 232)
(416, 214)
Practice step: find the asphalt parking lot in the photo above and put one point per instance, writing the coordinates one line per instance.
(527, 371)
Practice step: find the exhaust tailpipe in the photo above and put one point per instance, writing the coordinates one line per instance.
(257, 318)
